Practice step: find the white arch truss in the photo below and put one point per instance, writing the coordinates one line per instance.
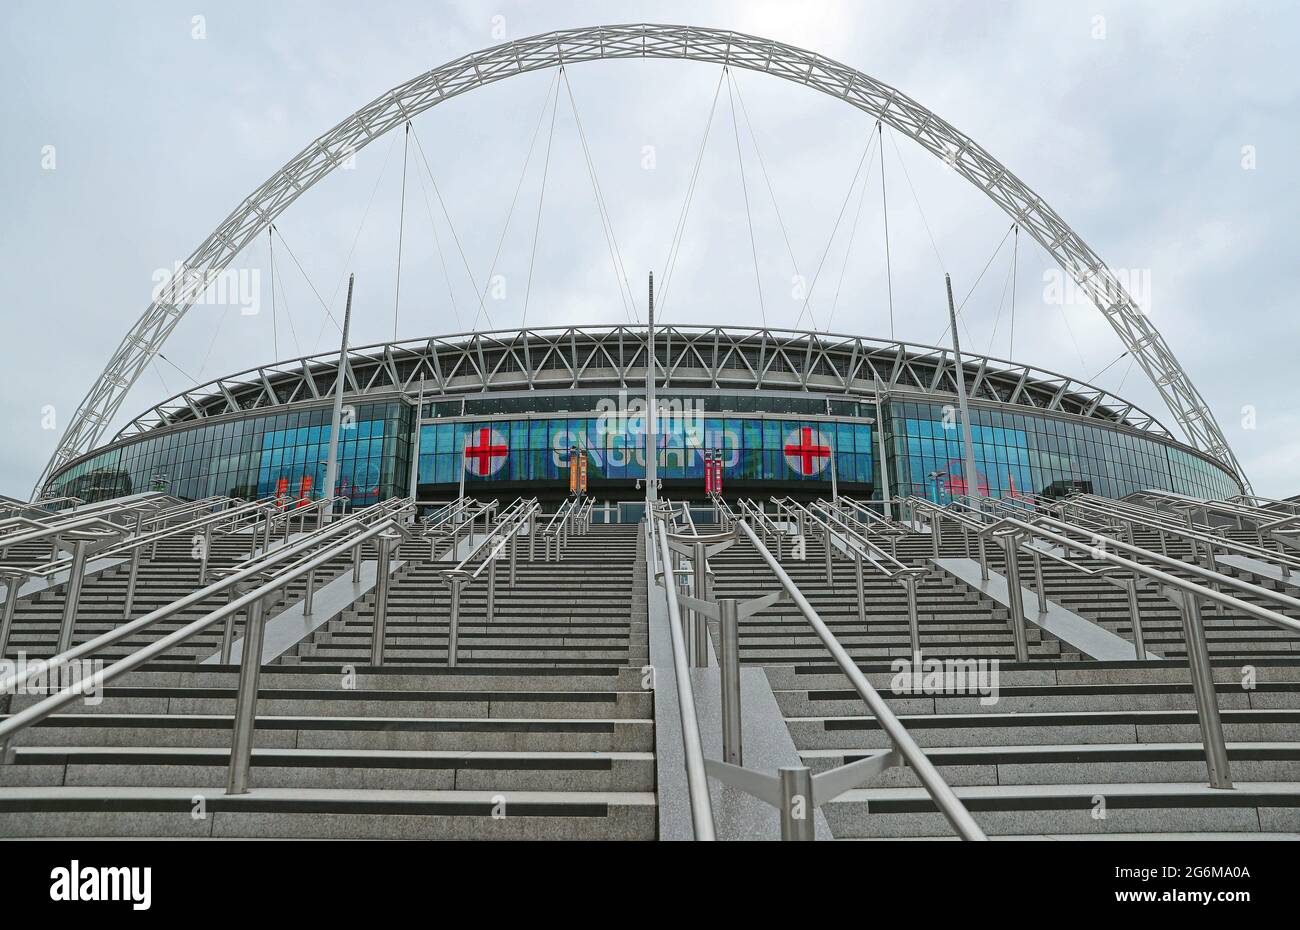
(569, 46)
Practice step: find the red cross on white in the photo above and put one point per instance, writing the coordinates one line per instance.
(487, 454)
(806, 451)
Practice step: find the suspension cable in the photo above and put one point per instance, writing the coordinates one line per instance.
(401, 228)
(1015, 260)
(625, 292)
(347, 262)
(275, 326)
(437, 245)
(482, 308)
(674, 245)
(1119, 358)
(853, 234)
(303, 272)
(221, 321)
(554, 87)
(961, 306)
(744, 189)
(541, 200)
(1002, 301)
(183, 372)
(866, 151)
(767, 180)
(884, 210)
(917, 200)
(288, 311)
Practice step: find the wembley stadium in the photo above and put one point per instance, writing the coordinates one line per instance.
(628, 581)
(787, 411)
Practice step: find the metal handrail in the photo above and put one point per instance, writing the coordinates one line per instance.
(854, 536)
(1235, 508)
(512, 518)
(133, 627)
(1189, 595)
(1101, 544)
(943, 796)
(246, 695)
(180, 510)
(864, 508)
(521, 513)
(697, 781)
(561, 514)
(1212, 539)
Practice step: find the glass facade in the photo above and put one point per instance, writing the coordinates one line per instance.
(284, 452)
(753, 448)
(260, 456)
(1017, 452)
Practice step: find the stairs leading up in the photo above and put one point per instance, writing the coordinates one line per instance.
(542, 731)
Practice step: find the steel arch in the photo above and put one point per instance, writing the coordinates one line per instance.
(569, 46)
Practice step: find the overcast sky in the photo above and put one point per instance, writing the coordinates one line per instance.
(1165, 133)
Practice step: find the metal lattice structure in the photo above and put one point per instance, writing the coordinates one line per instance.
(613, 358)
(571, 46)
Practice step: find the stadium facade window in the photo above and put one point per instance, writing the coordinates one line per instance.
(527, 439)
(1017, 453)
(257, 457)
(753, 449)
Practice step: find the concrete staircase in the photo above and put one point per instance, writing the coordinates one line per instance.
(955, 620)
(543, 731)
(173, 573)
(1069, 748)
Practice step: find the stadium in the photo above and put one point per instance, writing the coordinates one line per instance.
(507, 409)
(626, 582)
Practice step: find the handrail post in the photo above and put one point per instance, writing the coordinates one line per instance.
(309, 596)
(729, 660)
(453, 619)
(1139, 641)
(1039, 585)
(699, 623)
(72, 595)
(12, 585)
(532, 533)
(490, 610)
(1015, 597)
(862, 589)
(356, 562)
(228, 627)
(829, 545)
(796, 803)
(245, 719)
(983, 556)
(514, 556)
(913, 613)
(128, 602)
(1207, 701)
(378, 633)
(206, 553)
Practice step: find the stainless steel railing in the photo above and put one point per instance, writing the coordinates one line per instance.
(1166, 575)
(856, 544)
(794, 791)
(484, 556)
(250, 664)
(659, 560)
